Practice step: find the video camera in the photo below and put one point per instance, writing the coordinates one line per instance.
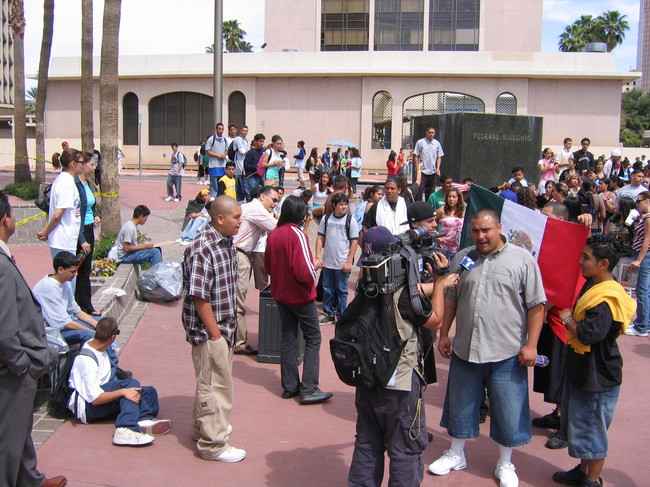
(386, 272)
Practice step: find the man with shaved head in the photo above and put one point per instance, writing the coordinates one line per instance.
(210, 321)
(498, 307)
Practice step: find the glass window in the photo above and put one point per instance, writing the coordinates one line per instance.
(399, 25)
(459, 19)
(382, 118)
(344, 25)
(183, 117)
(130, 119)
(237, 109)
(506, 104)
(434, 103)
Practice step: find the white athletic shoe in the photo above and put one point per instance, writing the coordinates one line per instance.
(176, 200)
(169, 198)
(232, 455)
(155, 426)
(450, 460)
(126, 437)
(185, 243)
(179, 240)
(631, 331)
(505, 472)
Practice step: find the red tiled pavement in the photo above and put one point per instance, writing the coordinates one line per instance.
(290, 445)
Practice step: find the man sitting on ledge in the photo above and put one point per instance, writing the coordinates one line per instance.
(96, 396)
(128, 248)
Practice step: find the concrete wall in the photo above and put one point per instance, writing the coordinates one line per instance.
(511, 25)
(292, 24)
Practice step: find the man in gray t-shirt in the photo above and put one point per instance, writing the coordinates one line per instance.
(335, 248)
(499, 307)
(128, 248)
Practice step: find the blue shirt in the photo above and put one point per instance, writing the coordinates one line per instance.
(89, 218)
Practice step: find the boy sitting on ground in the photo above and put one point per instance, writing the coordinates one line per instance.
(96, 396)
(593, 362)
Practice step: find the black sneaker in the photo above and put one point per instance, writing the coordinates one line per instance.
(550, 421)
(587, 482)
(572, 477)
(123, 374)
(556, 442)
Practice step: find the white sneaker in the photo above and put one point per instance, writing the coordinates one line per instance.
(232, 455)
(176, 200)
(169, 198)
(126, 437)
(179, 240)
(155, 426)
(631, 331)
(505, 472)
(450, 460)
(185, 243)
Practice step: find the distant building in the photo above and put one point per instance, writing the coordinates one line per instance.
(358, 70)
(6, 70)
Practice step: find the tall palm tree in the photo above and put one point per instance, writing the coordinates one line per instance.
(233, 39)
(41, 89)
(614, 27)
(108, 109)
(22, 173)
(572, 39)
(87, 128)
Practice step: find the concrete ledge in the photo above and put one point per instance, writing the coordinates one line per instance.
(125, 278)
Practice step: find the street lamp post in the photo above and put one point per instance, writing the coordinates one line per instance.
(218, 61)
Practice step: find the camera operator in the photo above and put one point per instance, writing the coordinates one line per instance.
(391, 418)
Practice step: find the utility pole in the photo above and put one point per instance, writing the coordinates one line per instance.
(217, 98)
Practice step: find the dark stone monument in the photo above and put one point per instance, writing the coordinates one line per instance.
(485, 146)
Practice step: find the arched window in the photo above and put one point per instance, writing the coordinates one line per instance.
(434, 103)
(130, 119)
(237, 109)
(382, 117)
(182, 117)
(506, 104)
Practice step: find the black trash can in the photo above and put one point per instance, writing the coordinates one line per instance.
(270, 331)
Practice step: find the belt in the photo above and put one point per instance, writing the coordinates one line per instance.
(240, 250)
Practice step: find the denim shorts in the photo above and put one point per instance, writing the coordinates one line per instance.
(507, 387)
(586, 417)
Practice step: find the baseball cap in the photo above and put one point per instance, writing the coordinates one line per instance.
(616, 152)
(377, 239)
(204, 191)
(420, 210)
(63, 144)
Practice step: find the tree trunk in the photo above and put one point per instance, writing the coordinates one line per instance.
(22, 173)
(108, 109)
(87, 128)
(41, 90)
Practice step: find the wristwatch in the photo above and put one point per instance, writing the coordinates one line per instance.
(565, 321)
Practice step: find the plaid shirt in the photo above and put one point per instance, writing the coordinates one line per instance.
(210, 273)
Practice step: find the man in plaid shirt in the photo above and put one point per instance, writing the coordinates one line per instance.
(210, 321)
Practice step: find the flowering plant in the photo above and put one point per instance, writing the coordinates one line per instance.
(104, 268)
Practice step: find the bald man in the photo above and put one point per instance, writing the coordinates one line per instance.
(210, 321)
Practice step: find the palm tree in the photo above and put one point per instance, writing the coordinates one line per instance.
(108, 109)
(233, 39)
(22, 173)
(87, 128)
(614, 26)
(572, 39)
(41, 89)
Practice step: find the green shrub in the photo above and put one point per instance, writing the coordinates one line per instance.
(24, 191)
(102, 245)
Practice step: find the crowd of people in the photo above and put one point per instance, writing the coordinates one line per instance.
(246, 228)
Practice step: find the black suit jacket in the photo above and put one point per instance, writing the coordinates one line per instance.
(23, 344)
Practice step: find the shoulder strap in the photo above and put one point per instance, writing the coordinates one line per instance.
(87, 353)
(327, 219)
(348, 219)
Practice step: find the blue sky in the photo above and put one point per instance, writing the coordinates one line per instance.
(148, 27)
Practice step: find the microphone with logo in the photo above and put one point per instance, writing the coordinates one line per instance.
(468, 262)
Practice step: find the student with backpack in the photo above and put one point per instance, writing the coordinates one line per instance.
(96, 396)
(175, 176)
(336, 245)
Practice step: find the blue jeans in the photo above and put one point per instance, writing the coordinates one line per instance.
(642, 321)
(335, 291)
(81, 336)
(194, 227)
(152, 256)
(507, 386)
(215, 174)
(128, 413)
(586, 417)
(174, 181)
(251, 182)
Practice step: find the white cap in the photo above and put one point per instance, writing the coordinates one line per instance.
(616, 152)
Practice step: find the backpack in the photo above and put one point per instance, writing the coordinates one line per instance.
(348, 219)
(366, 346)
(62, 391)
(261, 171)
(232, 150)
(43, 201)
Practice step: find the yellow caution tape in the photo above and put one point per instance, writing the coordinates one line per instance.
(30, 219)
(110, 195)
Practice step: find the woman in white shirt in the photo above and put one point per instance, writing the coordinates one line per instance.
(64, 218)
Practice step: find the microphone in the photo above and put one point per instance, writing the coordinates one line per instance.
(468, 262)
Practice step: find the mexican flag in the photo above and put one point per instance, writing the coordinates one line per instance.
(557, 245)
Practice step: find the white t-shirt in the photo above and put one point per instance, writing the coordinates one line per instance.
(86, 378)
(64, 194)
